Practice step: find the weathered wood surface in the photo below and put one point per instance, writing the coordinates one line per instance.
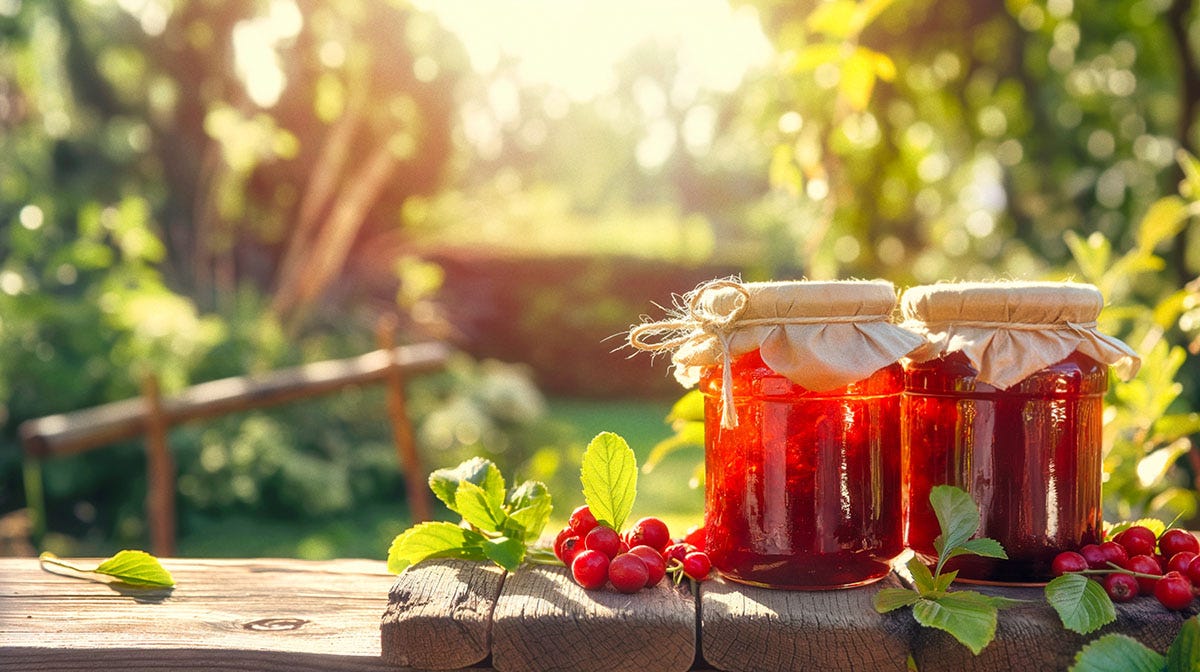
(748, 629)
(545, 621)
(1030, 637)
(74, 432)
(286, 615)
(439, 615)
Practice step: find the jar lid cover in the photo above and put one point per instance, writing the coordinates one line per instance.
(820, 335)
(1009, 330)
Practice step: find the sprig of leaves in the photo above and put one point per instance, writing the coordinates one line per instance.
(968, 616)
(1121, 653)
(132, 568)
(497, 524)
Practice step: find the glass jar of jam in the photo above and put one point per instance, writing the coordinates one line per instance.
(1007, 404)
(802, 387)
(805, 492)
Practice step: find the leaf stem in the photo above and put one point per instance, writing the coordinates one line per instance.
(48, 558)
(1117, 569)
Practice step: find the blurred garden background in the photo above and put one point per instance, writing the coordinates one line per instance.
(209, 188)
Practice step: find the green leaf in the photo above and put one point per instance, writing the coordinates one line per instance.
(689, 408)
(811, 56)
(609, 476)
(839, 19)
(890, 599)
(941, 582)
(958, 518)
(529, 507)
(687, 435)
(1092, 255)
(1153, 524)
(433, 540)
(477, 508)
(921, 576)
(477, 470)
(1165, 218)
(506, 552)
(1117, 653)
(983, 547)
(1184, 654)
(134, 568)
(1082, 604)
(857, 80)
(968, 616)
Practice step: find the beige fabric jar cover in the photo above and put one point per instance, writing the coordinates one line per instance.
(820, 335)
(1009, 330)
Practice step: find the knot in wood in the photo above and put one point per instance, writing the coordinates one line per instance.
(275, 624)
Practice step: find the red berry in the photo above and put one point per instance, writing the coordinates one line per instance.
(1193, 571)
(1180, 562)
(604, 539)
(1120, 587)
(697, 565)
(582, 521)
(1144, 564)
(628, 573)
(650, 532)
(570, 548)
(1114, 553)
(558, 541)
(655, 564)
(590, 569)
(695, 537)
(1095, 557)
(1137, 540)
(1178, 541)
(677, 552)
(1174, 591)
(1068, 561)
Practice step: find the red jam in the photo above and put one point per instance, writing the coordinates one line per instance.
(1029, 455)
(804, 493)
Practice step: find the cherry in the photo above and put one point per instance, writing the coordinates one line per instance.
(604, 539)
(590, 569)
(1137, 540)
(571, 546)
(1180, 562)
(1193, 571)
(1174, 591)
(650, 532)
(1121, 587)
(1096, 558)
(697, 565)
(628, 573)
(559, 539)
(695, 537)
(582, 521)
(1178, 541)
(655, 564)
(1144, 564)
(1114, 553)
(1068, 561)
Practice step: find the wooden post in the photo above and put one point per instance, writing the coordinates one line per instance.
(416, 486)
(160, 472)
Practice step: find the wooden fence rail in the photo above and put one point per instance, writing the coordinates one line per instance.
(153, 415)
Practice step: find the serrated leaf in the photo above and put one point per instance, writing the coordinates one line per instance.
(921, 575)
(477, 508)
(890, 599)
(1184, 654)
(506, 552)
(1153, 524)
(968, 616)
(530, 506)
(136, 568)
(958, 518)
(941, 582)
(1082, 604)
(433, 540)
(609, 477)
(1117, 653)
(477, 470)
(983, 547)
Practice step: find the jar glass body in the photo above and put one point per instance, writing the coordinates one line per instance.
(804, 493)
(1029, 455)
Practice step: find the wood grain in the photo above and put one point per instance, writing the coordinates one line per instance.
(545, 621)
(1030, 637)
(745, 629)
(439, 614)
(223, 614)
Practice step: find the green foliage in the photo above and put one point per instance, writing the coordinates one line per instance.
(133, 568)
(609, 476)
(1121, 653)
(1081, 603)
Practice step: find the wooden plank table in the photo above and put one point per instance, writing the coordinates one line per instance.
(294, 616)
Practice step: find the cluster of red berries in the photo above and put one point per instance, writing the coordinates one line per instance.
(1136, 562)
(638, 559)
